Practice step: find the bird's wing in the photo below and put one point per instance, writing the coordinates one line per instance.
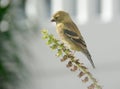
(75, 38)
(71, 31)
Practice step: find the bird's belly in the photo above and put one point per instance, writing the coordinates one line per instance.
(70, 44)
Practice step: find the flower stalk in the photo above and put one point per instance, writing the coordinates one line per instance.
(73, 63)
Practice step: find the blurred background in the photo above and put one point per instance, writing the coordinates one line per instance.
(26, 62)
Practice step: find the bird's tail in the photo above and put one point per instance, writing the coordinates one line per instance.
(87, 54)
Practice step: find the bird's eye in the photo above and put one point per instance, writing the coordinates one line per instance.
(56, 17)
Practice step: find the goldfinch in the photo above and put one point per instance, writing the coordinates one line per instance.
(70, 34)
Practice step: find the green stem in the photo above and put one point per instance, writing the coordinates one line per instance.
(87, 73)
(55, 44)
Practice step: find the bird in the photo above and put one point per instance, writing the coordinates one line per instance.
(70, 34)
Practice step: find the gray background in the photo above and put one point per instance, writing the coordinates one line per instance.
(99, 24)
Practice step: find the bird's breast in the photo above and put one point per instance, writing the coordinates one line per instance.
(60, 30)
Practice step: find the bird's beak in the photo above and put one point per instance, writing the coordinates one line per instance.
(52, 19)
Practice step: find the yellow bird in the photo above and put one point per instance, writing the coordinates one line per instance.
(69, 33)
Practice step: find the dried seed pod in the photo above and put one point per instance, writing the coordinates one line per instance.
(64, 58)
(69, 64)
(81, 74)
(77, 61)
(92, 86)
(70, 56)
(74, 68)
(85, 80)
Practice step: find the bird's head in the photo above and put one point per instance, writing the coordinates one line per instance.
(60, 16)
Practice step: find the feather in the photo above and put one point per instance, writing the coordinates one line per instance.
(75, 38)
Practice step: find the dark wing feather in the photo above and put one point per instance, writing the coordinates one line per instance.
(80, 42)
(75, 38)
(68, 32)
